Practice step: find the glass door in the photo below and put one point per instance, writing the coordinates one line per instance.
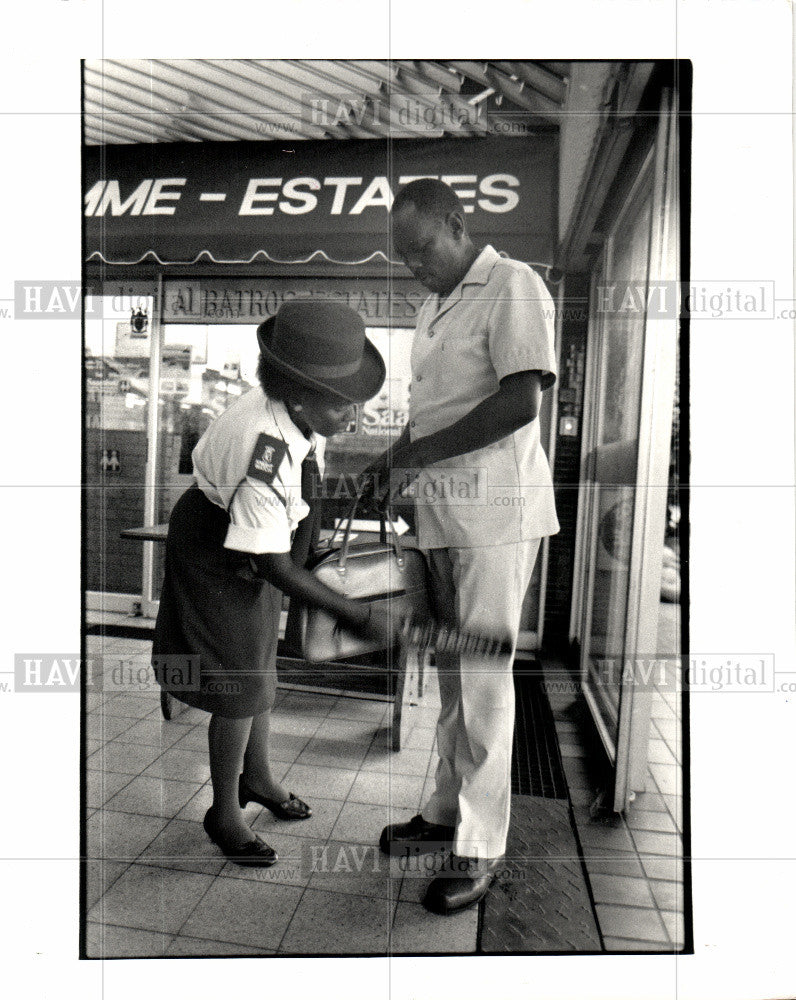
(201, 370)
(116, 373)
(631, 371)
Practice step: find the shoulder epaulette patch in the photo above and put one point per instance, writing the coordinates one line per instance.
(266, 458)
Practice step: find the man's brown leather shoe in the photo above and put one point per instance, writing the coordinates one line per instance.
(463, 883)
(415, 837)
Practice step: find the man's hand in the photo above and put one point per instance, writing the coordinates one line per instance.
(375, 479)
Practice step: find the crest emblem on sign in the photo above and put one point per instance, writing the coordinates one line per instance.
(266, 458)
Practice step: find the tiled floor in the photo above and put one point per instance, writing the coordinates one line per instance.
(157, 886)
(634, 862)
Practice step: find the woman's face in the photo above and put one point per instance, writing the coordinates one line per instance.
(322, 415)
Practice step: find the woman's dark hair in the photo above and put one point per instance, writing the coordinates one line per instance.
(274, 384)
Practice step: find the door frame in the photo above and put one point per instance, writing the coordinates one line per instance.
(627, 751)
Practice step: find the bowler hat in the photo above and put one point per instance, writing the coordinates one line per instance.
(322, 346)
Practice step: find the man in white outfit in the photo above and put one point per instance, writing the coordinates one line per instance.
(482, 355)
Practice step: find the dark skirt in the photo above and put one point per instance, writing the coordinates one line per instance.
(216, 633)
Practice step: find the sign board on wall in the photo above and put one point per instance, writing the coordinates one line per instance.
(379, 301)
(243, 202)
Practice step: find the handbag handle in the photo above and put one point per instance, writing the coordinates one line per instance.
(385, 519)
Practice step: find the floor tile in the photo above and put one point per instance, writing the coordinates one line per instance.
(94, 700)
(668, 895)
(180, 765)
(362, 822)
(428, 787)
(599, 837)
(190, 947)
(318, 827)
(286, 747)
(674, 806)
(355, 869)
(359, 731)
(101, 727)
(420, 739)
(115, 836)
(153, 797)
(156, 733)
(631, 922)
(308, 781)
(659, 753)
(658, 822)
(196, 807)
(621, 889)
(131, 706)
(103, 785)
(650, 801)
(104, 941)
(667, 845)
(244, 912)
(328, 923)
(635, 945)
(675, 927)
(401, 790)
(184, 846)
(308, 704)
(667, 778)
(100, 875)
(332, 753)
(190, 737)
(426, 716)
(294, 725)
(387, 761)
(123, 757)
(359, 708)
(150, 898)
(186, 716)
(669, 728)
(415, 930)
(665, 869)
(624, 863)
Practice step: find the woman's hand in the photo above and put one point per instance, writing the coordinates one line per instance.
(370, 622)
(380, 626)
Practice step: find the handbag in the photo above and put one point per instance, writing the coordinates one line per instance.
(387, 574)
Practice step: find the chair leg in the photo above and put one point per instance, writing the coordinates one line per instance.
(421, 672)
(406, 697)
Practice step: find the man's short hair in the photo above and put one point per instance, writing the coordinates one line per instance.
(429, 197)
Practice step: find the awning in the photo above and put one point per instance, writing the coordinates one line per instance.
(240, 203)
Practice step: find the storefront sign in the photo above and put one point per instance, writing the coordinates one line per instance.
(216, 300)
(242, 202)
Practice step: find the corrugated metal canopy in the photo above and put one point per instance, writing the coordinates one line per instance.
(152, 100)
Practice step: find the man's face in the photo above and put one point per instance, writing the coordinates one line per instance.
(432, 248)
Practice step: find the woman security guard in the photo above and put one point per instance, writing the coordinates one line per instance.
(241, 514)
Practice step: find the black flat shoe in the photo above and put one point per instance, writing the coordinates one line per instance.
(255, 854)
(417, 836)
(292, 808)
(464, 882)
